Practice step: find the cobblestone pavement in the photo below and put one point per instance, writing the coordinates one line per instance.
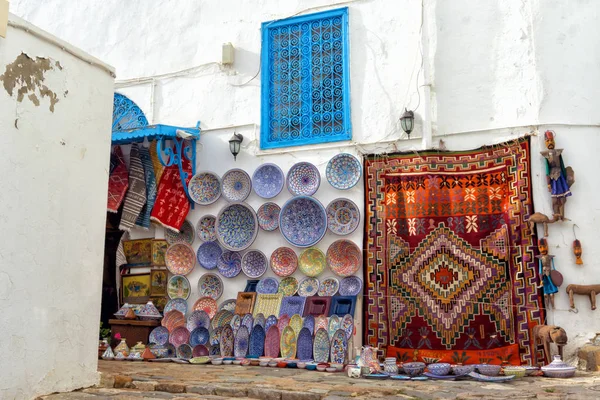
(141, 380)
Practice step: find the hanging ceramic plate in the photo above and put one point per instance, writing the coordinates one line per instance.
(179, 336)
(176, 304)
(199, 336)
(334, 325)
(248, 322)
(350, 286)
(240, 348)
(271, 320)
(321, 346)
(339, 346)
(312, 262)
(260, 320)
(173, 319)
(254, 263)
(343, 216)
(321, 322)
(159, 335)
(329, 287)
(208, 254)
(204, 188)
(288, 343)
(272, 342)
(284, 261)
(291, 305)
(230, 264)
(303, 179)
(228, 305)
(257, 341)
(171, 350)
(236, 322)
(268, 216)
(296, 323)
(226, 341)
(267, 286)
(215, 336)
(282, 322)
(268, 180)
(214, 350)
(198, 319)
(178, 287)
(309, 323)
(236, 226)
(200, 351)
(304, 345)
(288, 286)
(210, 285)
(236, 185)
(343, 171)
(180, 259)
(308, 287)
(303, 221)
(184, 351)
(207, 304)
(185, 235)
(347, 325)
(267, 304)
(344, 258)
(221, 318)
(205, 228)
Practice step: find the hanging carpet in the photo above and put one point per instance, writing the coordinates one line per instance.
(118, 180)
(136, 195)
(143, 219)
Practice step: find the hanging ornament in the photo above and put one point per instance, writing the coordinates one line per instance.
(577, 250)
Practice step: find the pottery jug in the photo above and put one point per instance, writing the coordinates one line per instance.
(390, 366)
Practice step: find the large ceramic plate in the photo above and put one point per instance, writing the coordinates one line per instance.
(205, 228)
(339, 346)
(260, 320)
(303, 179)
(284, 261)
(267, 286)
(272, 342)
(226, 341)
(178, 287)
(304, 345)
(159, 335)
(178, 304)
(236, 185)
(344, 258)
(288, 343)
(343, 171)
(236, 226)
(210, 285)
(296, 323)
(268, 180)
(199, 336)
(288, 286)
(268, 216)
(309, 323)
(291, 305)
(267, 304)
(240, 349)
(185, 235)
(308, 287)
(204, 188)
(312, 262)
(257, 341)
(230, 264)
(180, 259)
(198, 319)
(350, 286)
(334, 325)
(207, 304)
(328, 287)
(254, 263)
(236, 322)
(321, 346)
(347, 324)
(221, 318)
(248, 321)
(208, 254)
(179, 336)
(303, 221)
(270, 321)
(343, 216)
(284, 320)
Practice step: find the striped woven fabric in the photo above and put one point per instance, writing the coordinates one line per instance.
(136, 196)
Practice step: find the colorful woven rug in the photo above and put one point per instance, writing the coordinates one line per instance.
(143, 219)
(118, 181)
(449, 259)
(136, 195)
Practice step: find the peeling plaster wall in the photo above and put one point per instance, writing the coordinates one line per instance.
(54, 177)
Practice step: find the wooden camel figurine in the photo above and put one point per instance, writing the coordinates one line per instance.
(589, 290)
(546, 334)
(539, 218)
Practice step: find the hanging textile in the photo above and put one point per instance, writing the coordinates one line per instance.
(118, 180)
(136, 195)
(143, 219)
(450, 263)
(158, 167)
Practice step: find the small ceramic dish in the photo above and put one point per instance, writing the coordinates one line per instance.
(337, 366)
(321, 369)
(414, 368)
(331, 369)
(439, 368)
(263, 363)
(531, 370)
(254, 362)
(237, 362)
(489, 369)
(245, 363)
(273, 364)
(281, 364)
(301, 365)
(311, 367)
(216, 361)
(227, 362)
(517, 372)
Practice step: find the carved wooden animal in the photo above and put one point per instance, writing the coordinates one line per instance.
(539, 218)
(589, 290)
(546, 334)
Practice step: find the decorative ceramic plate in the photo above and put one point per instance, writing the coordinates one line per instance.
(485, 378)
(321, 346)
(180, 259)
(236, 322)
(260, 319)
(228, 305)
(268, 180)
(226, 341)
(159, 335)
(240, 348)
(343, 216)
(176, 304)
(329, 287)
(288, 343)
(312, 262)
(303, 179)
(309, 323)
(288, 286)
(200, 351)
(248, 322)
(304, 345)
(210, 285)
(344, 258)
(179, 336)
(296, 323)
(207, 304)
(321, 322)
(173, 319)
(199, 336)
(284, 261)
(198, 319)
(221, 318)
(284, 320)
(215, 336)
(184, 351)
(214, 350)
(308, 287)
(441, 377)
(334, 325)
(205, 228)
(208, 254)
(205, 188)
(292, 305)
(236, 185)
(350, 286)
(254, 263)
(271, 320)
(230, 264)
(236, 226)
(178, 287)
(267, 286)
(257, 341)
(272, 342)
(303, 221)
(343, 171)
(268, 216)
(268, 304)
(185, 235)
(171, 350)
(347, 324)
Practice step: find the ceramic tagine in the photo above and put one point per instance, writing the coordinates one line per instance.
(149, 312)
(122, 348)
(121, 313)
(108, 354)
(130, 314)
(138, 348)
(558, 369)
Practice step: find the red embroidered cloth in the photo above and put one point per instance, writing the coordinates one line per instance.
(118, 182)
(171, 205)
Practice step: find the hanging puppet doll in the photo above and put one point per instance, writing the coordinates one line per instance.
(549, 285)
(559, 178)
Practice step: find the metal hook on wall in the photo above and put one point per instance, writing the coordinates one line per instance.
(574, 234)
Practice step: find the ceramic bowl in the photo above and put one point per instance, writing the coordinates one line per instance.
(273, 364)
(321, 369)
(245, 362)
(301, 365)
(337, 366)
(311, 367)
(489, 369)
(460, 370)
(265, 359)
(414, 368)
(531, 370)
(237, 362)
(439, 368)
(255, 362)
(216, 361)
(281, 364)
(292, 364)
(566, 372)
(517, 372)
(227, 362)
(331, 369)
(263, 364)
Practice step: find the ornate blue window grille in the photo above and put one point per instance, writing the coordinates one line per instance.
(305, 80)
(126, 114)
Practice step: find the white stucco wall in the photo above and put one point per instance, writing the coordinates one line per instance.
(53, 199)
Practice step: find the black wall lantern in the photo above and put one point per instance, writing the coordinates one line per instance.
(235, 143)
(407, 120)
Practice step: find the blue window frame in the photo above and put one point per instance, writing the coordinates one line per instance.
(305, 80)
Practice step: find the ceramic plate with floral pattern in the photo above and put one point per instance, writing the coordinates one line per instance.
(210, 285)
(344, 257)
(205, 228)
(303, 221)
(343, 171)
(236, 185)
(267, 286)
(308, 287)
(329, 287)
(288, 286)
(236, 226)
(312, 262)
(284, 261)
(268, 180)
(343, 216)
(205, 188)
(303, 179)
(268, 216)
(254, 263)
(178, 287)
(230, 264)
(180, 259)
(208, 254)
(207, 304)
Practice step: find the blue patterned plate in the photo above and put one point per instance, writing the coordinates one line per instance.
(303, 179)
(291, 305)
(305, 345)
(321, 346)
(347, 324)
(257, 341)
(377, 376)
(248, 322)
(333, 325)
(485, 378)
(159, 335)
(205, 188)
(230, 264)
(214, 350)
(198, 319)
(205, 228)
(343, 216)
(350, 286)
(268, 180)
(268, 216)
(339, 346)
(240, 348)
(215, 336)
(226, 341)
(260, 320)
(400, 377)
(236, 322)
(199, 336)
(329, 287)
(308, 287)
(184, 351)
(236, 226)
(236, 185)
(442, 377)
(309, 323)
(343, 171)
(210, 285)
(208, 254)
(254, 263)
(176, 304)
(271, 320)
(303, 221)
(228, 305)
(267, 286)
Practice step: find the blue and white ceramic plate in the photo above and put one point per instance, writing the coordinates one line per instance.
(198, 319)
(159, 335)
(343, 216)
(441, 377)
(350, 286)
(236, 185)
(205, 228)
(268, 180)
(257, 341)
(267, 286)
(210, 285)
(303, 179)
(199, 336)
(308, 287)
(343, 171)
(208, 254)
(230, 264)
(303, 221)
(176, 304)
(254, 263)
(205, 188)
(236, 226)
(268, 216)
